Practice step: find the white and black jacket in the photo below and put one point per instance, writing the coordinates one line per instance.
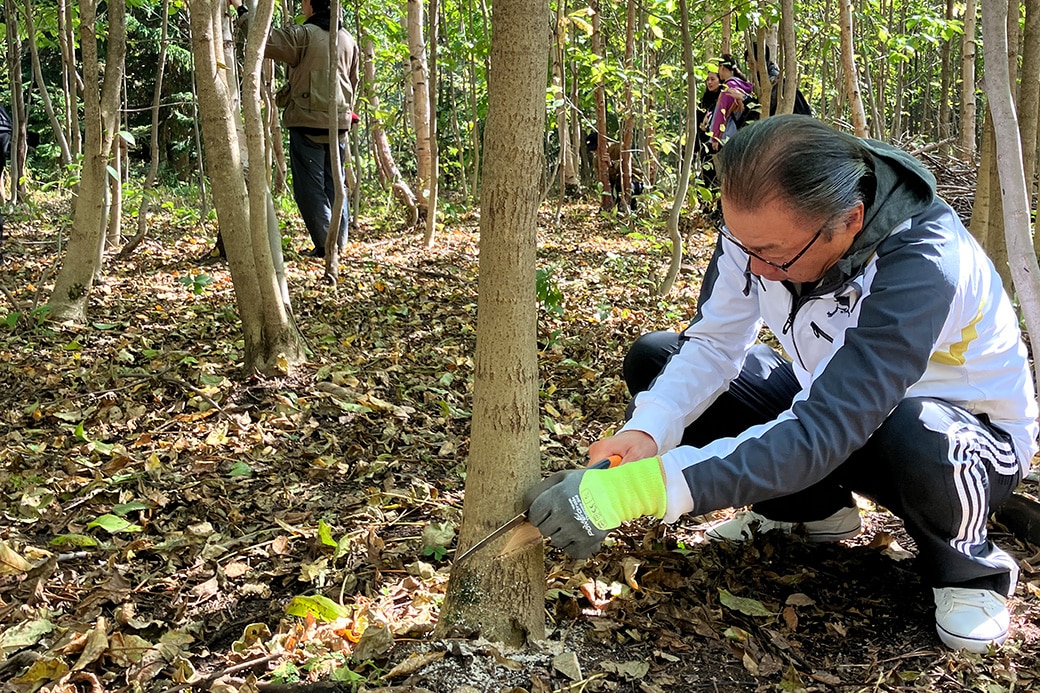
(914, 309)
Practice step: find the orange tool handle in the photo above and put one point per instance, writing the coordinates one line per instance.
(607, 462)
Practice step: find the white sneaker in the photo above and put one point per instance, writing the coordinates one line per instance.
(843, 524)
(971, 619)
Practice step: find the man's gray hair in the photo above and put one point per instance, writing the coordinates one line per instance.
(813, 169)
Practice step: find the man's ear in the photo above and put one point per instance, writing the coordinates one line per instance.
(854, 219)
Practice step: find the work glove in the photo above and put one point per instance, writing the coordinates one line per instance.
(576, 509)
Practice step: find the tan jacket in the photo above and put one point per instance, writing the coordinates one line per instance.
(305, 49)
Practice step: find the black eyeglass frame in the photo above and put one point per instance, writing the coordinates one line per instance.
(728, 235)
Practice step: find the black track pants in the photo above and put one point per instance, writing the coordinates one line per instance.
(939, 468)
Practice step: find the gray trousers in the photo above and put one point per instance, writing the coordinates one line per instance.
(939, 468)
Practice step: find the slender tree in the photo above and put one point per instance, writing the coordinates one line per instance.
(271, 341)
(82, 262)
(1025, 271)
(505, 597)
(420, 103)
(687, 163)
(966, 122)
(848, 63)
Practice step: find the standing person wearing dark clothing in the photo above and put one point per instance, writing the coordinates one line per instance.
(705, 111)
(305, 49)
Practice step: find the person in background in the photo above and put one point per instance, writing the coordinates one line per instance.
(908, 380)
(305, 49)
(705, 112)
(736, 88)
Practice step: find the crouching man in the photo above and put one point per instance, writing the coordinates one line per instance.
(908, 381)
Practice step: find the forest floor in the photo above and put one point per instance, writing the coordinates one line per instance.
(167, 521)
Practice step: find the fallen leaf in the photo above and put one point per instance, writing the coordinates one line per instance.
(745, 605)
(412, 664)
(11, 562)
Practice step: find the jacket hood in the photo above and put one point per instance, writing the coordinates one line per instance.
(905, 188)
(742, 84)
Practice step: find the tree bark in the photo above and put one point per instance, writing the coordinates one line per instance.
(272, 342)
(789, 75)
(505, 597)
(966, 140)
(16, 160)
(59, 133)
(153, 168)
(420, 103)
(606, 201)
(848, 63)
(431, 208)
(687, 163)
(1025, 270)
(1029, 91)
(628, 121)
(386, 169)
(81, 264)
(340, 197)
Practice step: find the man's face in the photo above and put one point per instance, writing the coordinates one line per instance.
(786, 246)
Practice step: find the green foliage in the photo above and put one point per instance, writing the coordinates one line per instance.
(550, 295)
(196, 282)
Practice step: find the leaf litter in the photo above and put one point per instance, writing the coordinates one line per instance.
(168, 525)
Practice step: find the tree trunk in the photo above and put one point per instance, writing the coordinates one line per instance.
(789, 75)
(687, 163)
(985, 204)
(848, 63)
(431, 207)
(420, 103)
(1029, 91)
(945, 81)
(16, 160)
(570, 183)
(386, 169)
(1025, 270)
(727, 27)
(628, 121)
(340, 197)
(115, 186)
(606, 201)
(505, 597)
(272, 342)
(69, 82)
(81, 264)
(59, 133)
(966, 141)
(153, 169)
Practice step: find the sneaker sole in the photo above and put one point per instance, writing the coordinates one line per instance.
(976, 645)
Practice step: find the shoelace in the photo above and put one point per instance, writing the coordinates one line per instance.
(976, 599)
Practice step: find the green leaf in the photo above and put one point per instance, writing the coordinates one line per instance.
(122, 509)
(240, 468)
(746, 606)
(323, 608)
(83, 541)
(325, 533)
(104, 325)
(25, 634)
(114, 524)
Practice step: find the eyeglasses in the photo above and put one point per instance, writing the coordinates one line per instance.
(786, 265)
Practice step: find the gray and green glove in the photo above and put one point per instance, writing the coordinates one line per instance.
(576, 509)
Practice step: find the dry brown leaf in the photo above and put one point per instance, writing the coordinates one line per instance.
(414, 663)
